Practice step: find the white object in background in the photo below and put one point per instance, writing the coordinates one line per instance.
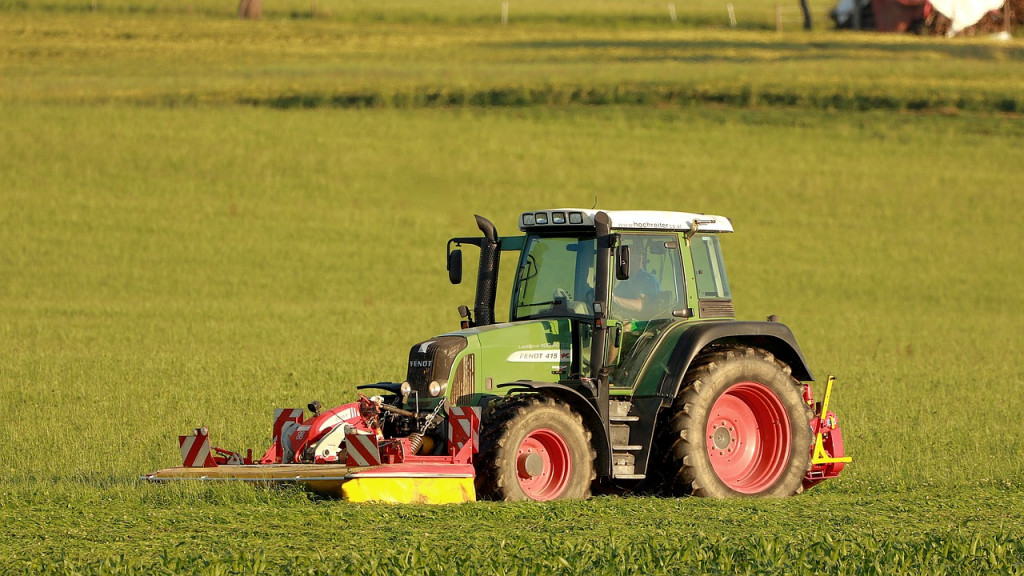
(964, 13)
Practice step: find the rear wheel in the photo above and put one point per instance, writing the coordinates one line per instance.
(534, 448)
(739, 427)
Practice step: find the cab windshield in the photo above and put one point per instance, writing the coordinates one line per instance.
(555, 278)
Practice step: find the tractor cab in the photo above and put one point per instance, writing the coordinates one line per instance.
(637, 274)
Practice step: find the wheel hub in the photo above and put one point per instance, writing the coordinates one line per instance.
(722, 437)
(530, 465)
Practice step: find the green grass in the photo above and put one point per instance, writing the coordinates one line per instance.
(166, 268)
(200, 220)
(227, 531)
(759, 14)
(182, 60)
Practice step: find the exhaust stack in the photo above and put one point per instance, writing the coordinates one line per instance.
(487, 275)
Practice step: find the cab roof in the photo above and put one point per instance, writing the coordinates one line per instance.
(553, 219)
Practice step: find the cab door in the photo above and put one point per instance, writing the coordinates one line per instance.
(642, 306)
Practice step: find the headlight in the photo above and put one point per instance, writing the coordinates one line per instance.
(406, 389)
(435, 388)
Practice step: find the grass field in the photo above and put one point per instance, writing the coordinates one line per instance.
(750, 14)
(181, 59)
(174, 261)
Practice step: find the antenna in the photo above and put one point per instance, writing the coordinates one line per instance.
(595, 202)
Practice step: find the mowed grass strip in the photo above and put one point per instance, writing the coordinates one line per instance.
(181, 59)
(164, 269)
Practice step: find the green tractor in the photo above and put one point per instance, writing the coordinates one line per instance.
(622, 366)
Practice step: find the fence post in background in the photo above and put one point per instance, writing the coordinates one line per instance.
(672, 12)
(504, 13)
(778, 18)
(732, 15)
(250, 9)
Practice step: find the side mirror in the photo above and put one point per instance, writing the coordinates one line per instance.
(455, 266)
(622, 263)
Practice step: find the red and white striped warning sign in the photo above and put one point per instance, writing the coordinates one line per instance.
(284, 415)
(195, 449)
(362, 450)
(463, 425)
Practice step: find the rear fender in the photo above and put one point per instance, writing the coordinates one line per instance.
(771, 336)
(584, 407)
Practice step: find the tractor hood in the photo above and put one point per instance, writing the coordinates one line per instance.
(469, 364)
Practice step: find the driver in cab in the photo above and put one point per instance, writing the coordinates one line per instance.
(629, 296)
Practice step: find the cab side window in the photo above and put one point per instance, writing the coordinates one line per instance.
(655, 285)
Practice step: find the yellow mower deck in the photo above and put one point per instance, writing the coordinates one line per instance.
(406, 483)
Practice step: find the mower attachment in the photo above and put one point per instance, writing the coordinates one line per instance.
(342, 452)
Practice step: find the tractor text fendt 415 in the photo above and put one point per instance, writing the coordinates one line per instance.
(621, 368)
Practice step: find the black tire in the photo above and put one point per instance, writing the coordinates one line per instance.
(534, 448)
(738, 428)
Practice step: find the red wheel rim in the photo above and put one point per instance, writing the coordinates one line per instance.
(543, 465)
(748, 437)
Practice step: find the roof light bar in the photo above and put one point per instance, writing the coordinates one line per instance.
(626, 220)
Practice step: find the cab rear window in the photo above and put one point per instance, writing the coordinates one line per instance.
(708, 267)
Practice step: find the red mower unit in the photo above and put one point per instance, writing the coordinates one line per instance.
(621, 368)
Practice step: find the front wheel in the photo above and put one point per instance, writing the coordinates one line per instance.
(534, 448)
(739, 427)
